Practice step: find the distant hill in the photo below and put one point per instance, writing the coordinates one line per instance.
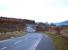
(13, 24)
(15, 21)
(64, 23)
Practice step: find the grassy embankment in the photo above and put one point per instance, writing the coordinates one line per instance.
(59, 42)
(9, 35)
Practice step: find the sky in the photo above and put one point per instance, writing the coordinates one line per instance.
(38, 10)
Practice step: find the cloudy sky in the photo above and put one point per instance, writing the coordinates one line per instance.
(38, 10)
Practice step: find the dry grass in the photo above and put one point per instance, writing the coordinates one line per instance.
(59, 42)
(9, 35)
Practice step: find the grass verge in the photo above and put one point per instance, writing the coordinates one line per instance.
(9, 35)
(59, 42)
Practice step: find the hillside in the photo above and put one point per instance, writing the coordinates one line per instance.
(64, 23)
(13, 24)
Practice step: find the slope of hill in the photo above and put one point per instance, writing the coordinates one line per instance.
(65, 23)
(15, 21)
(13, 24)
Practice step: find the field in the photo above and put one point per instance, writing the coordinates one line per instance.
(58, 42)
(9, 35)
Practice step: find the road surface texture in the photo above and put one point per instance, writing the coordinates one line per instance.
(34, 41)
(31, 41)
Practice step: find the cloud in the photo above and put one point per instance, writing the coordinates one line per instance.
(39, 10)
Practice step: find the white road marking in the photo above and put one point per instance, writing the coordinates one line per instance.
(3, 48)
(17, 42)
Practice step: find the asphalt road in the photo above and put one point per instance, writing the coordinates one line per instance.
(34, 41)
(31, 41)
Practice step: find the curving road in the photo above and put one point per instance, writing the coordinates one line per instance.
(34, 41)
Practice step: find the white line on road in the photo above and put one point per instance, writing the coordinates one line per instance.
(3, 48)
(18, 42)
